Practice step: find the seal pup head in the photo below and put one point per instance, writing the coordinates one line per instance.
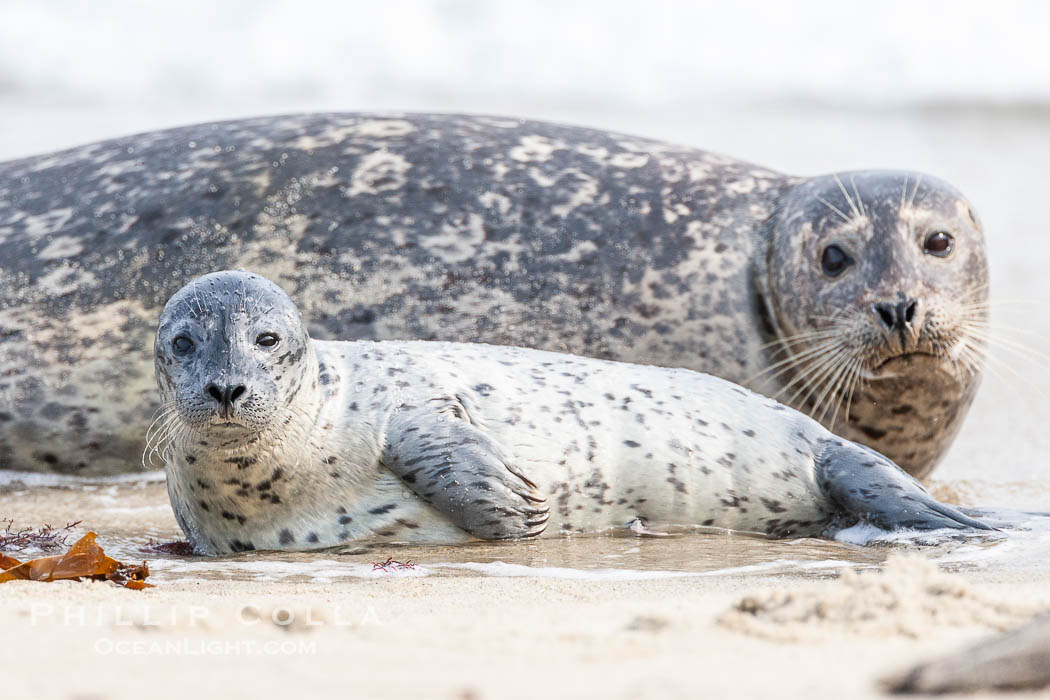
(877, 294)
(233, 359)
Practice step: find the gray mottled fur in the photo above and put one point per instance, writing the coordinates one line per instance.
(447, 227)
(437, 442)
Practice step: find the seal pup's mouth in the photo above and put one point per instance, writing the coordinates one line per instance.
(227, 427)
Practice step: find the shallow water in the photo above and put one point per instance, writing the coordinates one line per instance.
(131, 513)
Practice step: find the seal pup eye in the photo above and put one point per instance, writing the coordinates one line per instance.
(267, 340)
(182, 345)
(834, 261)
(939, 243)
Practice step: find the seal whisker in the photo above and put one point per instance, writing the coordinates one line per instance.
(167, 429)
(830, 394)
(794, 355)
(811, 374)
(799, 338)
(817, 379)
(918, 181)
(995, 339)
(860, 201)
(796, 360)
(835, 209)
(808, 372)
(157, 439)
(1002, 371)
(856, 212)
(158, 415)
(847, 394)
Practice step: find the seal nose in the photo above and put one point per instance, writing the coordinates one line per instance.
(897, 317)
(225, 396)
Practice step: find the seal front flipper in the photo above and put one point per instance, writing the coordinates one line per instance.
(465, 474)
(871, 488)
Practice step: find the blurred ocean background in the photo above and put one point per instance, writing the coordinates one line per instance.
(957, 89)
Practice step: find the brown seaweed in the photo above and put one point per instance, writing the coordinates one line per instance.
(84, 560)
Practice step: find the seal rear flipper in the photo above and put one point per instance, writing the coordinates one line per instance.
(867, 486)
(465, 474)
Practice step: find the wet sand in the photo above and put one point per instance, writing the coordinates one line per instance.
(618, 615)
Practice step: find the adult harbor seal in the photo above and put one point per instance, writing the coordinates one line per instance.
(274, 441)
(859, 298)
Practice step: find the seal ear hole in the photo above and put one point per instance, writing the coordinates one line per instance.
(267, 340)
(182, 345)
(834, 261)
(939, 243)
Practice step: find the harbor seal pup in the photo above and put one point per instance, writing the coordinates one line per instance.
(856, 297)
(274, 441)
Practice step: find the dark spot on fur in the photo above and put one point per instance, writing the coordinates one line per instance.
(242, 462)
(872, 432)
(773, 505)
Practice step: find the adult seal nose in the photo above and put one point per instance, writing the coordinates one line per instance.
(225, 396)
(897, 317)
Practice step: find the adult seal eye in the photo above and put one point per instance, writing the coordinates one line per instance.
(182, 345)
(834, 261)
(938, 243)
(267, 340)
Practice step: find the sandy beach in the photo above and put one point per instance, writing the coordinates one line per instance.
(712, 615)
(475, 637)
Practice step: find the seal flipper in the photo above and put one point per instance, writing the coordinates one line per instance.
(465, 474)
(868, 486)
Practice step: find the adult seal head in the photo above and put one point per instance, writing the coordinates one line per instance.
(274, 441)
(875, 289)
(862, 291)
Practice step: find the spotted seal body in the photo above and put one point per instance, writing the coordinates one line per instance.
(857, 297)
(274, 441)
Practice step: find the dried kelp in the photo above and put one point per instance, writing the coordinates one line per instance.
(84, 560)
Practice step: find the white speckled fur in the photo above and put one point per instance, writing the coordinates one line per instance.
(570, 423)
(331, 442)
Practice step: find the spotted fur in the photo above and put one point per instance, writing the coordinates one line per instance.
(463, 228)
(441, 442)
